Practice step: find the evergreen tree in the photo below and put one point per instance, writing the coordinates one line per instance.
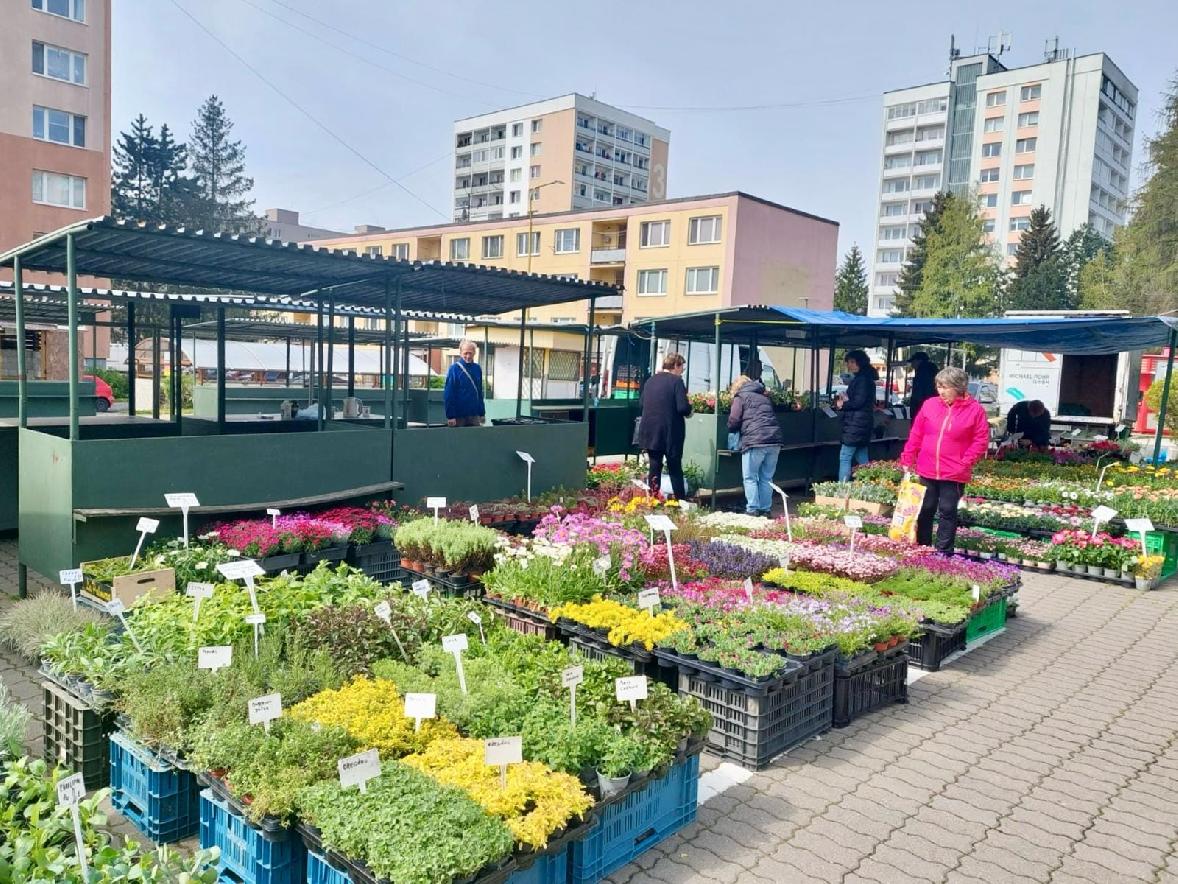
(960, 274)
(850, 284)
(911, 274)
(1039, 278)
(132, 184)
(1079, 248)
(218, 163)
(176, 192)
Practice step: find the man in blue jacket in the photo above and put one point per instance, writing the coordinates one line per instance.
(463, 393)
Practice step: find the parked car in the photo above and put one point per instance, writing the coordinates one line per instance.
(104, 396)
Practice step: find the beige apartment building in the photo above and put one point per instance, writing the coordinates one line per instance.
(570, 152)
(55, 137)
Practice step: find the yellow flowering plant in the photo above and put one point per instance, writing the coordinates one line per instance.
(626, 625)
(535, 802)
(372, 712)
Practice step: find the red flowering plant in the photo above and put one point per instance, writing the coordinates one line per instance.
(362, 525)
(303, 533)
(655, 565)
(253, 538)
(1102, 550)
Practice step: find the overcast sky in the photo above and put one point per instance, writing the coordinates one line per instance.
(388, 82)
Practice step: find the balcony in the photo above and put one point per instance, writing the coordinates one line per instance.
(608, 247)
(607, 256)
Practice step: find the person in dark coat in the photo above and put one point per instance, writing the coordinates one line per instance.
(858, 413)
(924, 381)
(753, 417)
(663, 426)
(1033, 420)
(462, 395)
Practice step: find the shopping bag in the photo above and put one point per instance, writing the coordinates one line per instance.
(908, 502)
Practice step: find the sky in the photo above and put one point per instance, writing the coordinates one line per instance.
(336, 101)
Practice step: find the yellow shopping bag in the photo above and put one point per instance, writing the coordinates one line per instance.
(908, 503)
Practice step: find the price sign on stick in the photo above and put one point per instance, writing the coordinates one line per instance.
(70, 791)
(265, 709)
(977, 593)
(214, 657)
(184, 501)
(601, 565)
(855, 523)
(748, 588)
(638, 483)
(273, 513)
(474, 618)
(659, 522)
(358, 769)
(502, 751)
(828, 411)
(648, 599)
(116, 608)
(570, 678)
(245, 570)
(456, 644)
(144, 526)
(420, 706)
(529, 460)
(631, 688)
(435, 504)
(198, 592)
(1100, 516)
(1140, 527)
(421, 589)
(384, 611)
(789, 531)
(474, 513)
(257, 620)
(71, 577)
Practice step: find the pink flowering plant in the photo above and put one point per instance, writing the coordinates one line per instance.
(624, 545)
(1078, 547)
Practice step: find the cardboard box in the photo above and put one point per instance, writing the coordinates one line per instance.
(839, 503)
(864, 506)
(128, 588)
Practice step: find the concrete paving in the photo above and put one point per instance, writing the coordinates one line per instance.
(1048, 754)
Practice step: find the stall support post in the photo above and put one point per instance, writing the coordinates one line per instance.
(386, 372)
(716, 429)
(429, 364)
(351, 356)
(330, 359)
(71, 270)
(405, 376)
(132, 360)
(587, 371)
(221, 370)
(485, 356)
(519, 381)
(830, 373)
(22, 375)
(654, 352)
(531, 361)
(1157, 441)
(155, 373)
(288, 363)
(319, 363)
(687, 368)
(174, 363)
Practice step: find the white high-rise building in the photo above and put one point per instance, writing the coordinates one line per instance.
(1058, 134)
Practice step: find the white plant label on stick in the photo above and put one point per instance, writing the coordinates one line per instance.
(1140, 527)
(70, 791)
(474, 513)
(183, 501)
(570, 677)
(198, 592)
(659, 522)
(1076, 433)
(529, 460)
(648, 599)
(419, 707)
(71, 577)
(638, 483)
(748, 588)
(265, 709)
(144, 526)
(384, 611)
(358, 769)
(421, 589)
(631, 689)
(116, 608)
(855, 523)
(435, 504)
(1100, 516)
(977, 593)
(214, 657)
(273, 513)
(257, 620)
(601, 565)
(456, 644)
(477, 621)
(789, 531)
(502, 751)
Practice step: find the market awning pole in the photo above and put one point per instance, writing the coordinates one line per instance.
(1162, 408)
(488, 365)
(588, 352)
(221, 369)
(155, 373)
(351, 356)
(319, 364)
(716, 428)
(531, 362)
(330, 359)
(405, 376)
(519, 383)
(71, 269)
(174, 361)
(386, 373)
(22, 375)
(132, 360)
(288, 363)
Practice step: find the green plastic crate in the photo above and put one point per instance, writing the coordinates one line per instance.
(1164, 543)
(989, 619)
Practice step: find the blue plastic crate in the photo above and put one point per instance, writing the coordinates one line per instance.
(159, 798)
(321, 871)
(548, 869)
(636, 823)
(247, 856)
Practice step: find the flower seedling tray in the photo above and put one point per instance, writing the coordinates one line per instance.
(160, 799)
(76, 736)
(937, 642)
(268, 826)
(459, 586)
(247, 856)
(523, 620)
(329, 554)
(276, 564)
(869, 688)
(730, 679)
(379, 560)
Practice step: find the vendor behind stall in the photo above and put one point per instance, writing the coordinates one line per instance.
(1033, 420)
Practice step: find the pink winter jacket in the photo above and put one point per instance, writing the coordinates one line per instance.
(945, 441)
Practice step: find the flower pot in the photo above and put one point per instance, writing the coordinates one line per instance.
(409, 563)
(1044, 566)
(987, 555)
(1126, 575)
(611, 785)
(880, 646)
(1112, 573)
(1062, 567)
(1143, 582)
(1095, 571)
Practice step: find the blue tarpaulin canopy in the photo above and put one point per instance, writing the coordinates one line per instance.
(796, 327)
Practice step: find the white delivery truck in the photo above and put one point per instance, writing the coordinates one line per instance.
(1079, 391)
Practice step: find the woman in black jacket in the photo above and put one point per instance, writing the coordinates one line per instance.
(858, 413)
(663, 426)
(753, 417)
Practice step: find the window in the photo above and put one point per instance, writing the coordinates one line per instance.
(994, 99)
(990, 200)
(890, 210)
(536, 148)
(59, 64)
(900, 111)
(55, 189)
(890, 256)
(481, 156)
(515, 176)
(926, 182)
(534, 194)
(994, 124)
(1030, 93)
(704, 230)
(888, 278)
(517, 130)
(900, 161)
(1021, 173)
(992, 149)
(932, 106)
(1031, 118)
(927, 158)
(1020, 198)
(373, 251)
(400, 251)
(895, 185)
(536, 125)
(460, 249)
(513, 196)
(654, 233)
(919, 207)
(1012, 248)
(988, 175)
(493, 246)
(496, 153)
(892, 231)
(534, 172)
(75, 9)
(1025, 145)
(652, 282)
(568, 240)
(59, 127)
(930, 133)
(703, 280)
(517, 152)
(1020, 223)
(988, 225)
(898, 138)
(521, 244)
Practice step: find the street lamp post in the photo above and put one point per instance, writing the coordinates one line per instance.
(533, 194)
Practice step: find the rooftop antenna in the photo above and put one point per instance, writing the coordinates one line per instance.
(1052, 52)
(999, 44)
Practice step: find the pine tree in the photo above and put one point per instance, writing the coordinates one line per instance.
(219, 166)
(1039, 278)
(176, 192)
(960, 274)
(911, 274)
(850, 284)
(1079, 248)
(132, 184)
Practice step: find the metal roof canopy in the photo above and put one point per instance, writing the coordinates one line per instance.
(118, 249)
(797, 327)
(263, 329)
(42, 309)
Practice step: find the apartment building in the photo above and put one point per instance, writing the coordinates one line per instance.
(564, 153)
(55, 141)
(1058, 133)
(283, 224)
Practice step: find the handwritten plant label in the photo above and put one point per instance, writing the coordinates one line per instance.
(146, 525)
(455, 643)
(255, 619)
(659, 522)
(748, 588)
(435, 503)
(474, 513)
(630, 688)
(601, 565)
(358, 769)
(648, 598)
(1139, 525)
(421, 706)
(70, 576)
(71, 790)
(214, 657)
(115, 607)
(525, 457)
(181, 500)
(853, 522)
(572, 676)
(265, 709)
(240, 569)
(502, 751)
(421, 588)
(385, 612)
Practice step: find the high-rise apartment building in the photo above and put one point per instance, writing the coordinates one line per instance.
(570, 152)
(1058, 134)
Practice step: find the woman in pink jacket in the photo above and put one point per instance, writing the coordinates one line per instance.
(950, 435)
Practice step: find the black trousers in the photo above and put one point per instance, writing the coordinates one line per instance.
(674, 469)
(940, 500)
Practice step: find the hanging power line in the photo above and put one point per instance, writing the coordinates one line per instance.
(376, 189)
(732, 108)
(323, 126)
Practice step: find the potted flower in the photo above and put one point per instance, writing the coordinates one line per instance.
(617, 764)
(1147, 570)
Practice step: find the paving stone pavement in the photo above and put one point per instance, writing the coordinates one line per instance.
(1048, 754)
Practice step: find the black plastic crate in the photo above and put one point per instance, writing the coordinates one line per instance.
(453, 586)
(930, 650)
(880, 682)
(752, 730)
(379, 560)
(76, 736)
